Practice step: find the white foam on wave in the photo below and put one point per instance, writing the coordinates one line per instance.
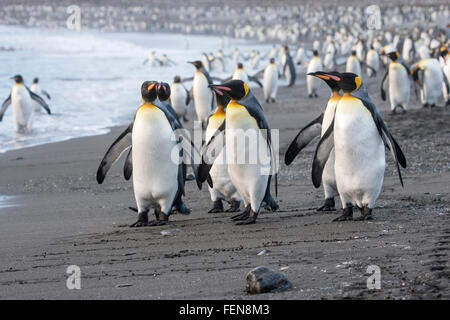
(93, 78)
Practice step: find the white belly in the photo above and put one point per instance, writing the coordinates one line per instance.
(328, 176)
(313, 82)
(154, 172)
(353, 66)
(35, 89)
(270, 82)
(223, 187)
(399, 86)
(372, 61)
(359, 154)
(22, 108)
(178, 99)
(432, 82)
(240, 75)
(248, 163)
(202, 97)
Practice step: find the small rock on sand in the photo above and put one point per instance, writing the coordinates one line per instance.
(170, 232)
(262, 279)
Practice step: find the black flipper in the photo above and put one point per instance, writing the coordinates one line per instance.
(397, 153)
(210, 152)
(39, 100)
(46, 94)
(365, 65)
(321, 155)
(291, 66)
(5, 106)
(120, 145)
(303, 138)
(188, 96)
(447, 85)
(383, 92)
(128, 166)
(255, 79)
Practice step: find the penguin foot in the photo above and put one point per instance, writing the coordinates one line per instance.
(347, 214)
(161, 219)
(156, 223)
(447, 103)
(366, 214)
(217, 207)
(234, 206)
(250, 220)
(328, 205)
(433, 105)
(270, 204)
(241, 216)
(190, 177)
(425, 105)
(273, 100)
(181, 208)
(142, 220)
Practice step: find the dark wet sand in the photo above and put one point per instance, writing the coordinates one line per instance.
(63, 217)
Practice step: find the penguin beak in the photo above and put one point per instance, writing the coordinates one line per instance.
(219, 89)
(325, 76)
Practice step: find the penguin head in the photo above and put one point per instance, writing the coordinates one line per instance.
(148, 91)
(394, 55)
(18, 78)
(443, 51)
(315, 53)
(163, 91)
(272, 60)
(176, 79)
(331, 78)
(35, 80)
(353, 53)
(240, 65)
(349, 82)
(197, 64)
(236, 89)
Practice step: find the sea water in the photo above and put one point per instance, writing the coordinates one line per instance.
(94, 78)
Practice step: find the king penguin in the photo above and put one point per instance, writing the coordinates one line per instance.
(250, 163)
(270, 81)
(35, 88)
(288, 66)
(399, 84)
(21, 99)
(203, 96)
(353, 64)
(179, 98)
(429, 75)
(312, 83)
(222, 188)
(317, 128)
(359, 136)
(159, 172)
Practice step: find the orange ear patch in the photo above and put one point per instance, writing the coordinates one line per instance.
(150, 87)
(323, 77)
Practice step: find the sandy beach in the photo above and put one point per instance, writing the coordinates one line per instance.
(63, 217)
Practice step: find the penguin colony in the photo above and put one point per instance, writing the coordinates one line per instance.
(349, 160)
